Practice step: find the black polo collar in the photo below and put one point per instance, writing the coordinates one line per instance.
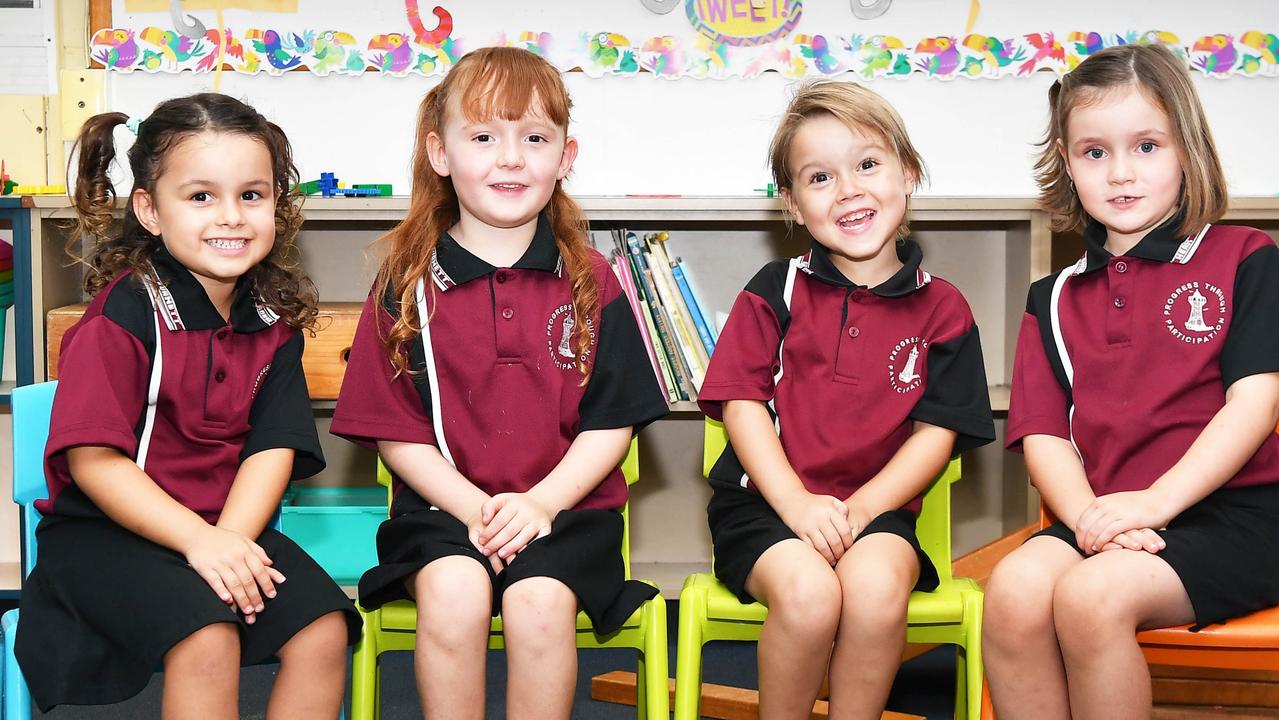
(909, 278)
(1160, 245)
(186, 306)
(453, 264)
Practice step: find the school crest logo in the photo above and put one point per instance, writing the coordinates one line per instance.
(1195, 312)
(560, 333)
(904, 365)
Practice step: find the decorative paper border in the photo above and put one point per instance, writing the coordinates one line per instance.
(330, 51)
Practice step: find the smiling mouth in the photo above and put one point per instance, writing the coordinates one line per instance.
(1124, 200)
(227, 243)
(856, 220)
(509, 187)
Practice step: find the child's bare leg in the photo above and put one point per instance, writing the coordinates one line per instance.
(202, 675)
(539, 620)
(454, 603)
(1099, 606)
(803, 598)
(312, 677)
(876, 576)
(1019, 639)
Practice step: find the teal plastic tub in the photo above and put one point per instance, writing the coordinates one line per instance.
(336, 526)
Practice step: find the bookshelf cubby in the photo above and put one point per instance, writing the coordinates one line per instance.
(990, 247)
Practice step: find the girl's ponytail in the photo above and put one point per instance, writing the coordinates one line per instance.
(94, 196)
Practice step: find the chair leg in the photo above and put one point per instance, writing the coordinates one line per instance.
(688, 657)
(17, 698)
(974, 673)
(655, 683)
(364, 671)
(641, 688)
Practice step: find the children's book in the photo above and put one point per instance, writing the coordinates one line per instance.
(622, 268)
(700, 298)
(648, 296)
(694, 308)
(676, 319)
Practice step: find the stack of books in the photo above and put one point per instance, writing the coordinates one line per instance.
(673, 317)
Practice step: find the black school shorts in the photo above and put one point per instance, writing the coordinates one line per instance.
(1225, 550)
(744, 525)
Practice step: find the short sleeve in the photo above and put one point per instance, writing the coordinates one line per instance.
(956, 396)
(375, 403)
(622, 390)
(746, 356)
(1038, 404)
(102, 388)
(281, 413)
(1252, 343)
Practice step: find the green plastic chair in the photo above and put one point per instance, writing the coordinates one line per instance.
(951, 614)
(394, 627)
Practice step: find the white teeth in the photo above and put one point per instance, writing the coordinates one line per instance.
(854, 217)
(227, 244)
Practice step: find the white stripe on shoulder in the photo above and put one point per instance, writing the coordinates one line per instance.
(441, 278)
(1188, 247)
(153, 385)
(163, 301)
(437, 412)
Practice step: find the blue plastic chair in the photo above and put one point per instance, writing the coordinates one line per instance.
(32, 406)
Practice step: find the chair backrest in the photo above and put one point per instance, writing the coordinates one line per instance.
(32, 406)
(630, 471)
(933, 526)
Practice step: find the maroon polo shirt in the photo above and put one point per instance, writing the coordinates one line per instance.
(511, 398)
(1154, 338)
(226, 390)
(847, 369)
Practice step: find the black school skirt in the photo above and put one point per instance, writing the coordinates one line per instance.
(583, 551)
(744, 525)
(1224, 549)
(103, 606)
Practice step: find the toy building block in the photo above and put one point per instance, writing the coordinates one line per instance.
(39, 190)
(329, 186)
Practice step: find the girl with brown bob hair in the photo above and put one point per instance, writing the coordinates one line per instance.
(499, 371)
(1145, 393)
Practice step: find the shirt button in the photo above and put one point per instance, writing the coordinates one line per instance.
(502, 277)
(1119, 302)
(1121, 266)
(219, 376)
(508, 313)
(853, 332)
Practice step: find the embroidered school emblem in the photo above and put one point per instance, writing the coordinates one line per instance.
(904, 365)
(1195, 312)
(560, 330)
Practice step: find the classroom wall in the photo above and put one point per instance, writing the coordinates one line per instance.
(645, 134)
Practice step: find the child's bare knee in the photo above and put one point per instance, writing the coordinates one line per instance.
(324, 640)
(538, 598)
(210, 649)
(1087, 606)
(807, 602)
(876, 596)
